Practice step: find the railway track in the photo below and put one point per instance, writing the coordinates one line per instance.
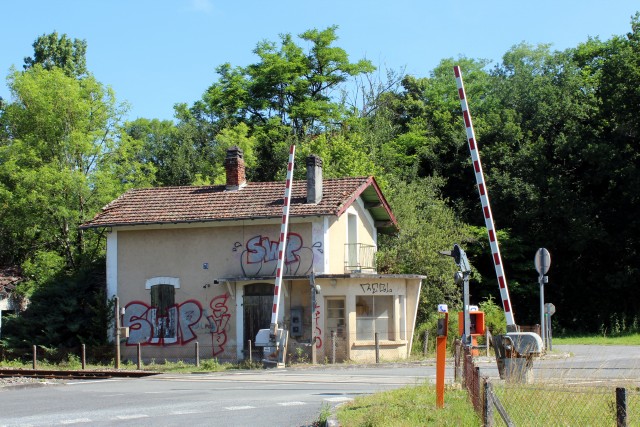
(71, 375)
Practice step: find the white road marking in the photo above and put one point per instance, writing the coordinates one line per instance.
(92, 381)
(76, 421)
(238, 408)
(187, 412)
(131, 417)
(338, 399)
(291, 403)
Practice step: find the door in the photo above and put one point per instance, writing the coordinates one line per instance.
(257, 306)
(335, 340)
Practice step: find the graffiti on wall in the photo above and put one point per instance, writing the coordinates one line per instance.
(175, 326)
(376, 288)
(218, 321)
(260, 256)
(318, 330)
(178, 324)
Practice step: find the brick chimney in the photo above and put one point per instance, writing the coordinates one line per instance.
(234, 167)
(314, 179)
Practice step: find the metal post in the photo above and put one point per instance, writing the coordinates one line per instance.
(117, 313)
(34, 358)
(456, 360)
(486, 339)
(333, 347)
(250, 351)
(84, 357)
(197, 354)
(314, 339)
(621, 407)
(377, 348)
(543, 334)
(139, 355)
(488, 407)
(466, 339)
(425, 344)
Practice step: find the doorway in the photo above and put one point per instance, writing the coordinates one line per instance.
(257, 307)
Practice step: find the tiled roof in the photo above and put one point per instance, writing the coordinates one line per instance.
(9, 278)
(166, 205)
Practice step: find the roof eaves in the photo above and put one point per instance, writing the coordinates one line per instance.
(371, 181)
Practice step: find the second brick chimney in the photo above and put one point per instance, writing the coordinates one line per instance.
(234, 168)
(314, 179)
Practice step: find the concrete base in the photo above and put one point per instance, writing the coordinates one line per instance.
(516, 370)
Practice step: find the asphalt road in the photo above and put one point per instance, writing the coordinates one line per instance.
(278, 397)
(581, 364)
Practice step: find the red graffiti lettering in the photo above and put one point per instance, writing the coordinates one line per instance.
(218, 321)
(318, 330)
(148, 327)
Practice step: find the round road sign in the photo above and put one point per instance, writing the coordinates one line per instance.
(542, 261)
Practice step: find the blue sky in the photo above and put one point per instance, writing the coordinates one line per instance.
(155, 53)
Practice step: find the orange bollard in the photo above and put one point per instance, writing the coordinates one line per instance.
(441, 354)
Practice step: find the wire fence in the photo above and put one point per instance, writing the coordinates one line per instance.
(546, 403)
(332, 348)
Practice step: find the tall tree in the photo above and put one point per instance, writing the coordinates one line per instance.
(288, 95)
(52, 50)
(63, 159)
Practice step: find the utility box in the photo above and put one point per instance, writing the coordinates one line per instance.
(441, 329)
(476, 325)
(296, 322)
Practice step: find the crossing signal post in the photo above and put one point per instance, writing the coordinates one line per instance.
(461, 277)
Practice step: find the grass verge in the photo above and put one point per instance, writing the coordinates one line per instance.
(628, 339)
(409, 406)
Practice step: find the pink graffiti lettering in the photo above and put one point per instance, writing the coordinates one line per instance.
(146, 327)
(218, 321)
(261, 255)
(261, 249)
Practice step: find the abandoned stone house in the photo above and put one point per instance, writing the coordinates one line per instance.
(197, 264)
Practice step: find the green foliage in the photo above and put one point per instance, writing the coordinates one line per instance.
(427, 226)
(51, 50)
(66, 311)
(409, 406)
(494, 318)
(285, 97)
(63, 160)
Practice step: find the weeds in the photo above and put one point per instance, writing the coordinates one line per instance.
(409, 406)
(323, 417)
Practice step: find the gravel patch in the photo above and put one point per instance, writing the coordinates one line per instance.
(26, 381)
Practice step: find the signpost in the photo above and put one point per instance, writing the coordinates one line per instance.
(542, 261)
(549, 310)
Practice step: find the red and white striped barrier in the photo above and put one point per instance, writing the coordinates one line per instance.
(484, 200)
(283, 241)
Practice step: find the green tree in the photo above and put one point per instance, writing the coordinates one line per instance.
(51, 50)
(63, 159)
(288, 96)
(427, 226)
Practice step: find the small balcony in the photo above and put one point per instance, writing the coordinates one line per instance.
(359, 258)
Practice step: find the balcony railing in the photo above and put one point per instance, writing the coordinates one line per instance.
(359, 257)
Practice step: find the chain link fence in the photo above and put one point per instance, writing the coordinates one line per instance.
(546, 403)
